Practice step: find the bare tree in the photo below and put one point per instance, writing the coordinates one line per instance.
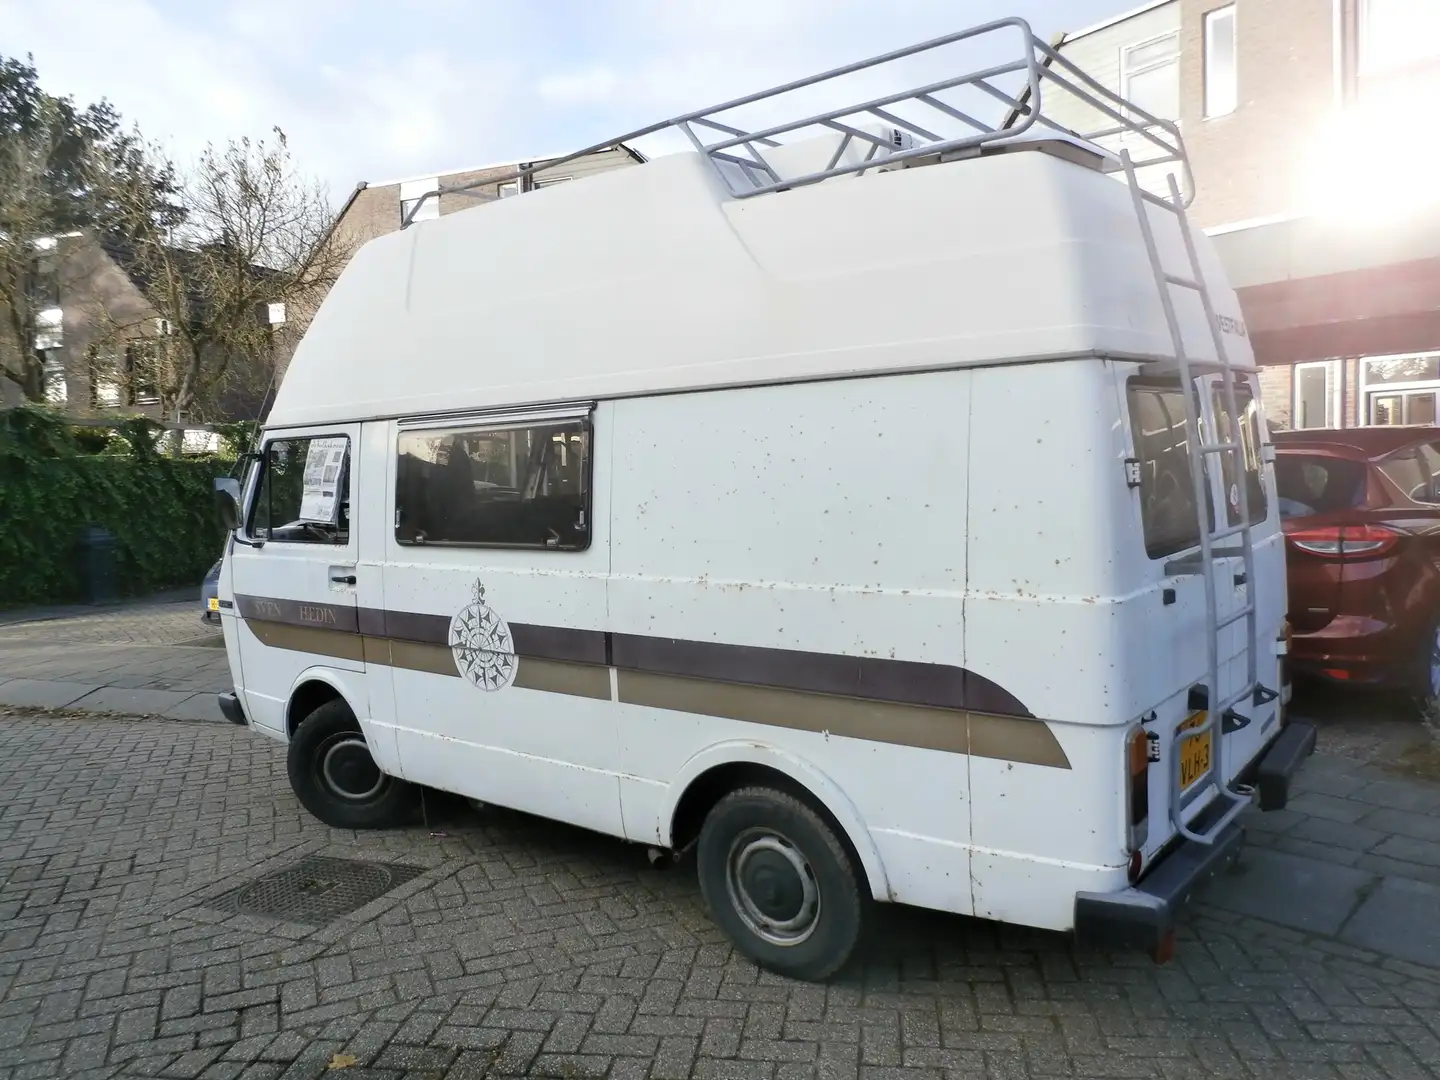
(225, 288)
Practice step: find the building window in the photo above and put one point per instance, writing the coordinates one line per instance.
(1398, 33)
(1401, 389)
(553, 180)
(411, 194)
(1150, 76)
(1315, 398)
(518, 485)
(52, 378)
(1221, 83)
(104, 379)
(142, 372)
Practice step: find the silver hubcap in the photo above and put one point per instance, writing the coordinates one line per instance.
(772, 887)
(349, 770)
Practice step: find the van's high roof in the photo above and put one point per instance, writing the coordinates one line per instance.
(757, 260)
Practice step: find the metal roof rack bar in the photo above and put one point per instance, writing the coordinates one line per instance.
(741, 164)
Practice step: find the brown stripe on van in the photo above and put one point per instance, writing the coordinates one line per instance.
(341, 644)
(872, 678)
(341, 617)
(1008, 738)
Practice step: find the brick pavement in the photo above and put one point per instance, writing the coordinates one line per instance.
(140, 658)
(528, 948)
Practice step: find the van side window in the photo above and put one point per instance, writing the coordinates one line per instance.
(1167, 494)
(525, 486)
(303, 496)
(1250, 451)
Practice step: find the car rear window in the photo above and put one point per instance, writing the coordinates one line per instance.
(1311, 484)
(1416, 472)
(1167, 494)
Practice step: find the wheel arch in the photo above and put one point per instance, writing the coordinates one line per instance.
(715, 772)
(313, 688)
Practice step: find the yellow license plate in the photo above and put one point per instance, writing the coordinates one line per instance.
(1195, 753)
(214, 603)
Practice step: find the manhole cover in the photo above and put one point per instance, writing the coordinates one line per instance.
(316, 890)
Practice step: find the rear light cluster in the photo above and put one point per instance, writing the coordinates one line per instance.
(1345, 541)
(1137, 794)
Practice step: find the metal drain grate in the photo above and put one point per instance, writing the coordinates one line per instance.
(316, 890)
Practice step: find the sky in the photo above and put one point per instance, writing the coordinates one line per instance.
(377, 91)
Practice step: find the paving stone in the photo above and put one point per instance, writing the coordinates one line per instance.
(543, 950)
(119, 699)
(1401, 918)
(1304, 893)
(42, 693)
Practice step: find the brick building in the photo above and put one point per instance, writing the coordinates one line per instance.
(1306, 124)
(377, 209)
(102, 343)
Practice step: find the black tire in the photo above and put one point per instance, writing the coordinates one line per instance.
(337, 780)
(1424, 691)
(764, 837)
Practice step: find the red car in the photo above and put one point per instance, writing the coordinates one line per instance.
(1361, 514)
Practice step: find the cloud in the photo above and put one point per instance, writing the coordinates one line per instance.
(369, 90)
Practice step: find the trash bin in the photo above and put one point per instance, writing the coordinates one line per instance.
(99, 582)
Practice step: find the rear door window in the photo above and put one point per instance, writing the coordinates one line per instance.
(1254, 463)
(1311, 484)
(1167, 494)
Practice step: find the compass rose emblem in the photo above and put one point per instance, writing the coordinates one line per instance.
(482, 645)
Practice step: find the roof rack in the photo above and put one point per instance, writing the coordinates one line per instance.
(921, 122)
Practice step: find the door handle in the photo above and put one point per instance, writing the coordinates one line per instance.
(343, 579)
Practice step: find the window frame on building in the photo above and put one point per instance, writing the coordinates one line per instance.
(1330, 368)
(1229, 95)
(1368, 64)
(1127, 72)
(1403, 388)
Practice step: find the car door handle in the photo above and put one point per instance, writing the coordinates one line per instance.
(343, 579)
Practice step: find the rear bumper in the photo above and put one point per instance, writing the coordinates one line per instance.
(1355, 649)
(1143, 915)
(232, 710)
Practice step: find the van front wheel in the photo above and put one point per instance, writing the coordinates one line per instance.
(780, 883)
(336, 779)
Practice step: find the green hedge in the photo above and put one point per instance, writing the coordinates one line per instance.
(56, 481)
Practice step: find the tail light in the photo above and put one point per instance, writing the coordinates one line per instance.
(1137, 788)
(1345, 541)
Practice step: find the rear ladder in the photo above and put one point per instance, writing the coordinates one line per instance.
(1220, 710)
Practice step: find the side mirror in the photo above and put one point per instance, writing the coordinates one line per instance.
(227, 501)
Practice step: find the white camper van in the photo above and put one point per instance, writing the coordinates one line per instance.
(883, 516)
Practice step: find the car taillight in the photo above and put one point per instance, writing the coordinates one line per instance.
(1282, 654)
(1137, 788)
(1345, 541)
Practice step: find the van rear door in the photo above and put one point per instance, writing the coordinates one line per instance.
(1251, 724)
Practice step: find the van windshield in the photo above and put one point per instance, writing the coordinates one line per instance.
(1167, 494)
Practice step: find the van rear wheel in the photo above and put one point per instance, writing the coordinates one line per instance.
(780, 883)
(336, 779)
